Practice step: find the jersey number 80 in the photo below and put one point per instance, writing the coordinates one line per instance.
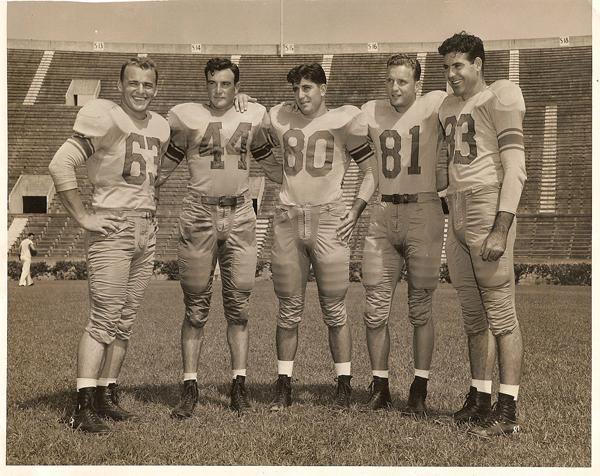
(294, 140)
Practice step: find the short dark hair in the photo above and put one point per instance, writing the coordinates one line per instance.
(405, 60)
(142, 63)
(30, 234)
(312, 72)
(463, 43)
(219, 64)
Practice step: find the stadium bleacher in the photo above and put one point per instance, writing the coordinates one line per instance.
(549, 77)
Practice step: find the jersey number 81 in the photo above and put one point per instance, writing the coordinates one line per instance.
(391, 144)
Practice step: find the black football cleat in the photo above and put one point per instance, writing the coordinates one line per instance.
(239, 396)
(189, 398)
(283, 393)
(417, 394)
(379, 397)
(107, 404)
(476, 408)
(502, 419)
(343, 392)
(85, 417)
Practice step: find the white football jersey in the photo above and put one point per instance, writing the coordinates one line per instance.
(316, 152)
(477, 130)
(216, 144)
(407, 144)
(122, 153)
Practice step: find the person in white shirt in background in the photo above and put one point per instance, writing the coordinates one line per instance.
(26, 247)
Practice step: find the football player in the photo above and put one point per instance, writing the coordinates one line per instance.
(407, 225)
(484, 133)
(217, 222)
(121, 146)
(311, 224)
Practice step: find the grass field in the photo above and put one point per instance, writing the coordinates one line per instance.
(45, 322)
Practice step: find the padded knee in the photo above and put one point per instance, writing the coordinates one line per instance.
(235, 304)
(101, 335)
(473, 312)
(334, 310)
(500, 308)
(377, 307)
(125, 326)
(505, 327)
(290, 311)
(419, 306)
(197, 306)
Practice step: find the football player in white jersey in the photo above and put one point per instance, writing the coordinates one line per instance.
(121, 146)
(407, 225)
(311, 224)
(217, 222)
(483, 126)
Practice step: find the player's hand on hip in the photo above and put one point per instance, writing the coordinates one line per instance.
(493, 246)
(103, 224)
(241, 100)
(346, 226)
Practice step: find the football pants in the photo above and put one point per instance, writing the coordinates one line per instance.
(119, 269)
(211, 233)
(486, 289)
(408, 234)
(305, 236)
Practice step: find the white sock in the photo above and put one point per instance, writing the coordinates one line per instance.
(381, 373)
(422, 373)
(285, 367)
(343, 368)
(105, 382)
(85, 382)
(237, 372)
(190, 376)
(512, 390)
(484, 386)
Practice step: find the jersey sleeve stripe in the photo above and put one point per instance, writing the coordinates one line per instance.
(261, 152)
(361, 153)
(511, 146)
(174, 153)
(510, 138)
(83, 143)
(510, 129)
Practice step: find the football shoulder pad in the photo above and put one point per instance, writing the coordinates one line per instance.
(434, 99)
(508, 94)
(95, 119)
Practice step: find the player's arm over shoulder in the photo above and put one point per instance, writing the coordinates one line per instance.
(256, 108)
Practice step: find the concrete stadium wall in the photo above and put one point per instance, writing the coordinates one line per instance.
(274, 49)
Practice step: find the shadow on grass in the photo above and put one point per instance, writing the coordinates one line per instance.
(261, 395)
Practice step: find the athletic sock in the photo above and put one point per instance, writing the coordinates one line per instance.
(343, 368)
(285, 367)
(422, 373)
(237, 372)
(190, 376)
(85, 382)
(381, 373)
(105, 382)
(484, 386)
(512, 390)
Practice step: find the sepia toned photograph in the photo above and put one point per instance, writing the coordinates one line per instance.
(298, 236)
